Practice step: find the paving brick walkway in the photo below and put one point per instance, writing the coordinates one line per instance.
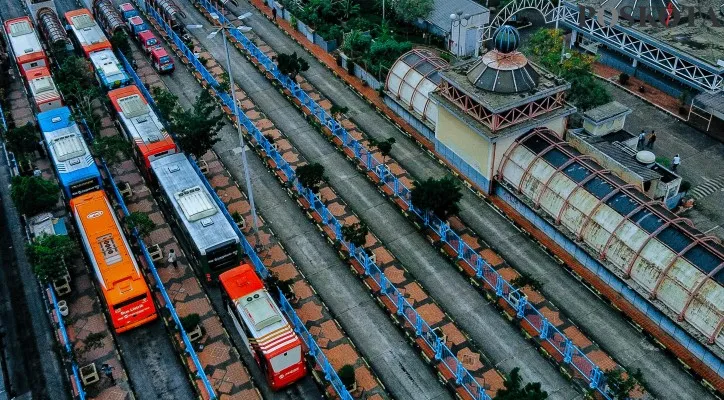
(219, 358)
(479, 366)
(536, 298)
(329, 335)
(86, 319)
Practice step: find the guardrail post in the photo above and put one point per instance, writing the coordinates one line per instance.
(442, 231)
(400, 303)
(522, 303)
(383, 284)
(461, 248)
(438, 348)
(595, 378)
(568, 353)
(396, 189)
(337, 230)
(544, 328)
(479, 267)
(369, 160)
(367, 263)
(499, 285)
(356, 149)
(418, 325)
(459, 371)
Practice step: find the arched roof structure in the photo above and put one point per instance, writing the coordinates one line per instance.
(412, 77)
(678, 267)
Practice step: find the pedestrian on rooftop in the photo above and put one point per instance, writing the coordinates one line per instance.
(172, 258)
(652, 140)
(675, 163)
(642, 140)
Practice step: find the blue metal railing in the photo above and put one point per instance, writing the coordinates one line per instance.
(320, 358)
(570, 353)
(2, 120)
(66, 342)
(443, 353)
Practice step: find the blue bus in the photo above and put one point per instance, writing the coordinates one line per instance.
(73, 162)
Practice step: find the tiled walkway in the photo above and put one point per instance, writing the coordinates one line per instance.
(472, 359)
(86, 317)
(549, 310)
(328, 334)
(221, 361)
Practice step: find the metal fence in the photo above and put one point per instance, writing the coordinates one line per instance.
(570, 353)
(66, 343)
(330, 375)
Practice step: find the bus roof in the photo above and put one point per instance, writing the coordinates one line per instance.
(140, 121)
(271, 332)
(159, 52)
(68, 150)
(23, 39)
(42, 85)
(86, 30)
(194, 205)
(108, 67)
(110, 254)
(126, 7)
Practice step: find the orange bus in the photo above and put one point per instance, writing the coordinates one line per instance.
(265, 331)
(125, 291)
(28, 51)
(141, 125)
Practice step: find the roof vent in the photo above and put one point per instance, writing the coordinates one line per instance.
(56, 119)
(645, 157)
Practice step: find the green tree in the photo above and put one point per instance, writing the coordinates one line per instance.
(410, 10)
(166, 102)
(120, 43)
(33, 194)
(385, 147)
(622, 383)
(22, 141)
(384, 52)
(141, 222)
(346, 375)
(355, 234)
(76, 80)
(113, 149)
(311, 176)
(515, 391)
(48, 255)
(586, 91)
(346, 8)
(291, 64)
(439, 196)
(197, 128)
(356, 44)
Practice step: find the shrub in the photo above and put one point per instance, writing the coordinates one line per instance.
(48, 255)
(685, 186)
(346, 375)
(141, 222)
(190, 322)
(33, 195)
(623, 78)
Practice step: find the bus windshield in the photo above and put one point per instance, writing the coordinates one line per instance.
(165, 60)
(286, 359)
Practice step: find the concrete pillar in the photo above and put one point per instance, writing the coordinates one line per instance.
(635, 63)
(574, 35)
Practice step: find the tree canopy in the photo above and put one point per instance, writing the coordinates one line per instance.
(76, 80)
(385, 146)
(141, 222)
(166, 102)
(355, 233)
(514, 389)
(49, 254)
(440, 196)
(410, 10)
(622, 383)
(119, 41)
(311, 176)
(22, 140)
(291, 64)
(113, 149)
(197, 128)
(586, 92)
(33, 194)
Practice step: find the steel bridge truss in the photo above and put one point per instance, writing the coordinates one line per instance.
(642, 48)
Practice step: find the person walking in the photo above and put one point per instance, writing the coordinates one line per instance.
(107, 370)
(172, 258)
(274, 13)
(652, 140)
(675, 163)
(642, 140)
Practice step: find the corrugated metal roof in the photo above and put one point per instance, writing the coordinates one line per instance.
(440, 14)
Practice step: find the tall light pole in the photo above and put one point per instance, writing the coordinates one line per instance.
(247, 175)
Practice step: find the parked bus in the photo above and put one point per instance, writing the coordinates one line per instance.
(262, 326)
(73, 163)
(42, 88)
(86, 32)
(26, 46)
(141, 125)
(125, 291)
(206, 230)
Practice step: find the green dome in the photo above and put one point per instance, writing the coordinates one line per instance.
(506, 39)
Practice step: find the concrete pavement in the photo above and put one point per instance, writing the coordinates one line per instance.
(604, 324)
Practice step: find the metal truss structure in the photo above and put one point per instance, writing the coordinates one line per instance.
(506, 118)
(640, 47)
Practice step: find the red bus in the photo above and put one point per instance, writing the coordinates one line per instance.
(125, 291)
(141, 126)
(25, 44)
(262, 326)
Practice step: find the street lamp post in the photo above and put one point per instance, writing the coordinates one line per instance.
(459, 20)
(247, 175)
